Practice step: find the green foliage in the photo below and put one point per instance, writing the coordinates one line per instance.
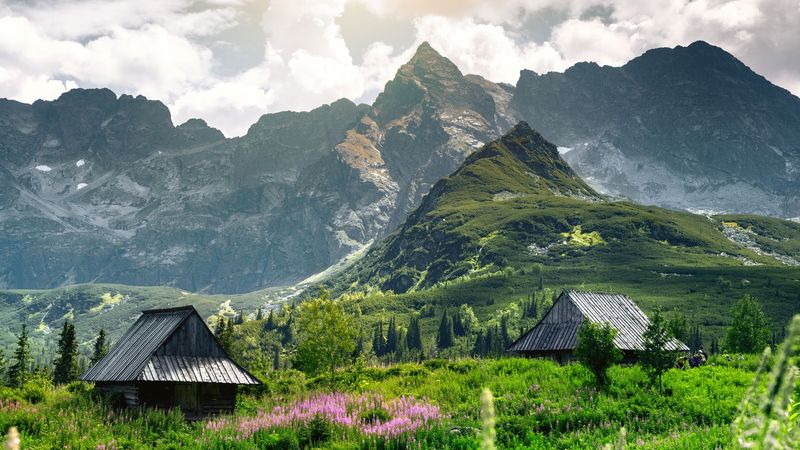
(66, 365)
(656, 357)
(22, 360)
(539, 404)
(596, 350)
(100, 346)
(414, 335)
(36, 387)
(749, 330)
(678, 326)
(325, 335)
(2, 368)
(768, 415)
(444, 337)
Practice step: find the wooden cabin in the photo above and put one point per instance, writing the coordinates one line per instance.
(169, 358)
(555, 336)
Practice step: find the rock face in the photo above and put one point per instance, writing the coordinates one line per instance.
(427, 120)
(100, 188)
(104, 189)
(689, 127)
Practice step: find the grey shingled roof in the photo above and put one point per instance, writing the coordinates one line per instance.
(133, 353)
(616, 309)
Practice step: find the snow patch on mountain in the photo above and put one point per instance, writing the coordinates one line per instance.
(43, 168)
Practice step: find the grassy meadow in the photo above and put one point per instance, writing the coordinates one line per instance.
(538, 405)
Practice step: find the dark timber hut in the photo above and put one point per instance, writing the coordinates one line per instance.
(555, 336)
(169, 358)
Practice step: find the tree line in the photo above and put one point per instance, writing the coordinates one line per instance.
(64, 369)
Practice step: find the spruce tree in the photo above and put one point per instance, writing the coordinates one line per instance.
(359, 350)
(219, 329)
(657, 357)
(414, 336)
(391, 337)
(714, 346)
(458, 324)
(22, 360)
(225, 333)
(2, 368)
(100, 347)
(749, 330)
(270, 325)
(378, 341)
(478, 349)
(286, 329)
(276, 358)
(444, 338)
(488, 342)
(66, 366)
(505, 339)
(259, 314)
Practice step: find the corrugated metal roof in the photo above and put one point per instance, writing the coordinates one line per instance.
(616, 309)
(132, 357)
(193, 369)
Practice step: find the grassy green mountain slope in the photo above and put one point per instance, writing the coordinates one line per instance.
(515, 209)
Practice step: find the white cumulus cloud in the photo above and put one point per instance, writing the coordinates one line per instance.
(181, 51)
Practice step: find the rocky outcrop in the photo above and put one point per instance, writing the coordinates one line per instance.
(687, 128)
(100, 188)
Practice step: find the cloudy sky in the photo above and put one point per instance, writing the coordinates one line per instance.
(229, 61)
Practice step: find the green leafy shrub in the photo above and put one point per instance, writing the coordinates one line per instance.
(596, 349)
(36, 387)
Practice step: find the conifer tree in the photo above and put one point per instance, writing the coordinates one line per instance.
(2, 367)
(657, 358)
(359, 350)
(270, 324)
(749, 330)
(219, 329)
(505, 339)
(414, 336)
(480, 344)
(100, 347)
(378, 341)
(22, 360)
(66, 366)
(458, 324)
(276, 358)
(286, 329)
(444, 338)
(225, 333)
(714, 346)
(259, 314)
(488, 342)
(391, 337)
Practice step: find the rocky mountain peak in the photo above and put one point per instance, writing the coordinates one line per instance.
(428, 65)
(428, 75)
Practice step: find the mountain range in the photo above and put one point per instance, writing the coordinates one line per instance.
(515, 203)
(101, 188)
